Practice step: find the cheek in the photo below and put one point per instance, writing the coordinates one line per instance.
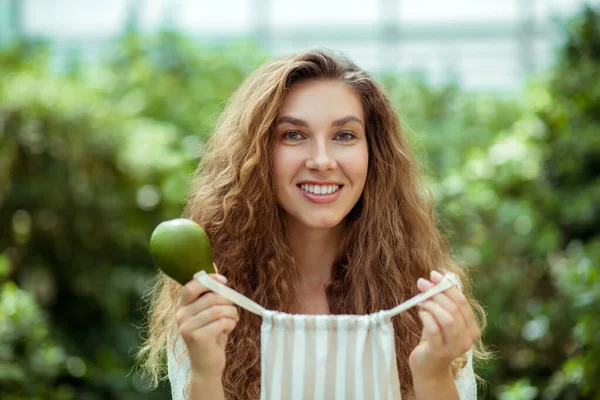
(357, 165)
(279, 162)
(285, 166)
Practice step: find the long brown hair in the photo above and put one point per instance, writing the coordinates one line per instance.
(392, 238)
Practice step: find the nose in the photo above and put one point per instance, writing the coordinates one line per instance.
(321, 158)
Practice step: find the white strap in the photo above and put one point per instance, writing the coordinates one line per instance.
(444, 284)
(249, 305)
(229, 294)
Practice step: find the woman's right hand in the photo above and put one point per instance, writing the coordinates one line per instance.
(205, 319)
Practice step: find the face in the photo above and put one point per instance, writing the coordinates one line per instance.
(321, 154)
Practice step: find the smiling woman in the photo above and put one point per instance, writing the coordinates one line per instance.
(313, 203)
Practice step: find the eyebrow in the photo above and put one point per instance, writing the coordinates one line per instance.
(299, 122)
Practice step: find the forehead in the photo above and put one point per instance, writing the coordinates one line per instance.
(321, 98)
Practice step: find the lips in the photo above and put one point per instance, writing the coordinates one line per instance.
(320, 198)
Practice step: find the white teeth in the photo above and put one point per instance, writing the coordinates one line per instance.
(320, 189)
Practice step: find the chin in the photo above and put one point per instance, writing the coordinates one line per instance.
(322, 221)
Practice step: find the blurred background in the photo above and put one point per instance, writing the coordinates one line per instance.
(105, 106)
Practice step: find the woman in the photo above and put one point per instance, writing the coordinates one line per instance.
(313, 203)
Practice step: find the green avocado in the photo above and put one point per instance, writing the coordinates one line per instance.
(180, 248)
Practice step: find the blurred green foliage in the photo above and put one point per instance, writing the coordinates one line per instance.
(26, 349)
(91, 160)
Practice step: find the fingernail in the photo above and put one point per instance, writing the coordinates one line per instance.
(436, 274)
(424, 283)
(222, 279)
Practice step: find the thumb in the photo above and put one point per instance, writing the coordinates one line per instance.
(219, 278)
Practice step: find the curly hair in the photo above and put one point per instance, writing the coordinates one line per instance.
(391, 239)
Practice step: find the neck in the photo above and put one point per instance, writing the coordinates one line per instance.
(314, 251)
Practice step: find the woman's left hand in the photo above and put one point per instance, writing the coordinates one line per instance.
(449, 331)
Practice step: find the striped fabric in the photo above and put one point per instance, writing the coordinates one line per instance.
(327, 357)
(341, 357)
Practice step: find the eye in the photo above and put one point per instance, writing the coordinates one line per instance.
(292, 136)
(345, 136)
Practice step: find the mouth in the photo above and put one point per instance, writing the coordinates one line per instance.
(320, 190)
(320, 194)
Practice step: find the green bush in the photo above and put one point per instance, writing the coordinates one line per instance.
(513, 206)
(90, 163)
(31, 360)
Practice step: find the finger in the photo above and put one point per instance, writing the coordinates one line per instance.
(200, 304)
(431, 330)
(220, 326)
(191, 291)
(194, 289)
(452, 308)
(463, 305)
(436, 277)
(442, 298)
(424, 285)
(444, 320)
(455, 295)
(457, 336)
(208, 316)
(461, 301)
